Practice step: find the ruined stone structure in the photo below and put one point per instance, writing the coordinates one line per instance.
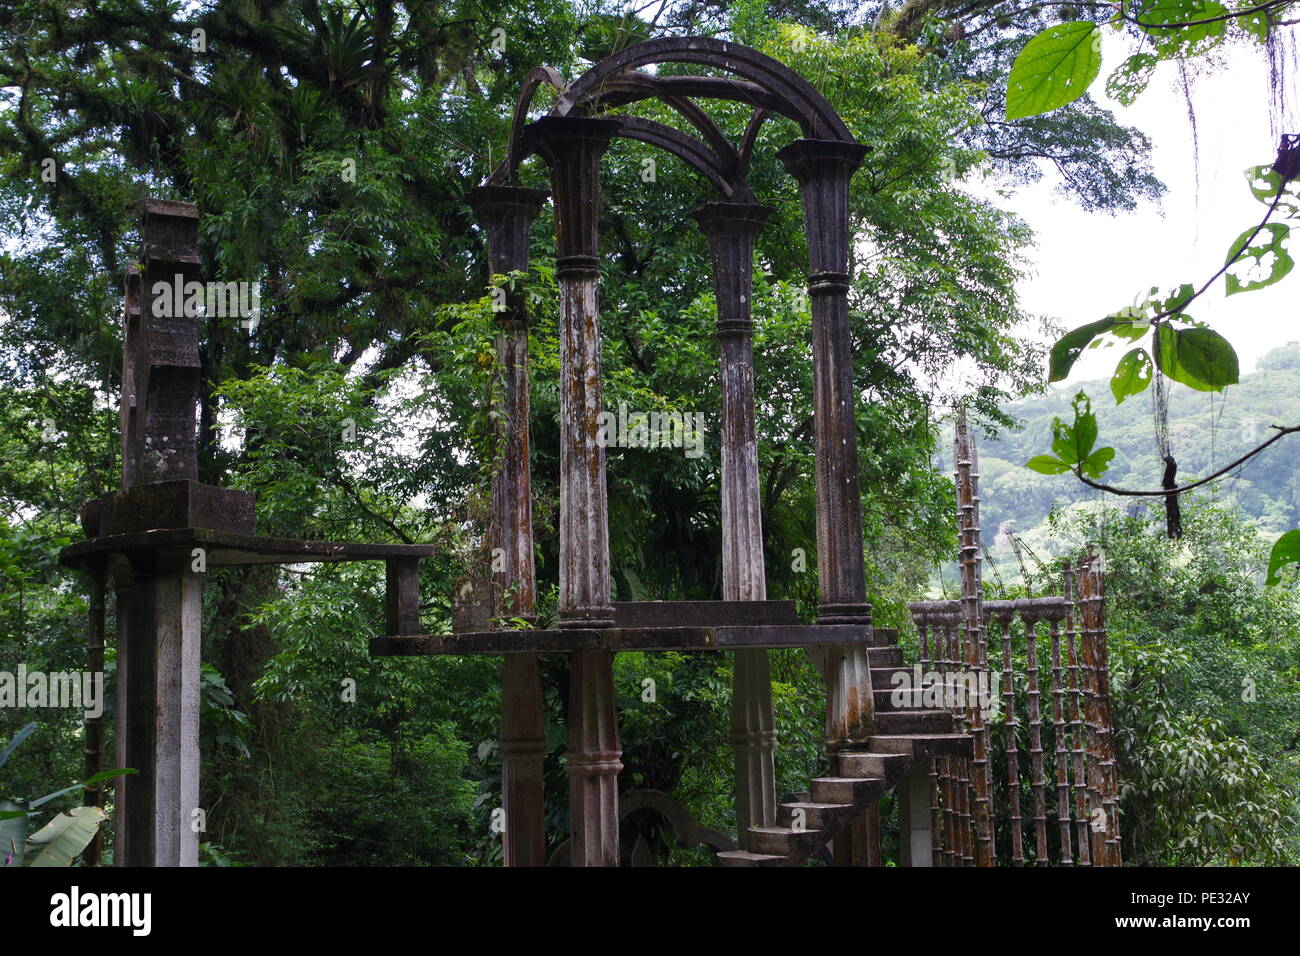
(152, 540)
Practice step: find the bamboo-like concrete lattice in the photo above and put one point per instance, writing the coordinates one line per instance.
(969, 802)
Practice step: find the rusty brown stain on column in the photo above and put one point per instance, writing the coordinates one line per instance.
(506, 214)
(1076, 719)
(731, 229)
(823, 169)
(572, 147)
(972, 604)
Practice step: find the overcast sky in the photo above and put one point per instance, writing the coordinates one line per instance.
(1090, 265)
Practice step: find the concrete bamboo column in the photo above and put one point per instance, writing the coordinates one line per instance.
(506, 213)
(972, 610)
(731, 228)
(823, 169)
(161, 614)
(572, 147)
(1102, 780)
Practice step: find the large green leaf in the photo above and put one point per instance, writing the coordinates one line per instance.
(1286, 550)
(61, 841)
(1056, 67)
(1067, 348)
(1132, 375)
(1264, 261)
(1199, 358)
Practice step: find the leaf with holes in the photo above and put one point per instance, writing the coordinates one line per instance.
(1264, 261)
(1131, 77)
(1265, 181)
(1056, 67)
(1132, 375)
(1186, 41)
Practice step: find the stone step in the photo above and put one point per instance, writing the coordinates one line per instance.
(922, 745)
(857, 791)
(889, 767)
(745, 858)
(817, 816)
(888, 656)
(914, 722)
(785, 842)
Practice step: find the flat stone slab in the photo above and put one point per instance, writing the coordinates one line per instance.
(620, 639)
(225, 548)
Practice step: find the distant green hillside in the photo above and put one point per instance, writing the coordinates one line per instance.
(1206, 432)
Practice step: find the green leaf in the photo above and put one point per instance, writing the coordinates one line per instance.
(1265, 181)
(1132, 375)
(61, 841)
(1131, 77)
(1095, 465)
(1199, 358)
(1286, 550)
(1056, 67)
(1047, 465)
(1256, 24)
(1251, 272)
(1182, 42)
(1073, 443)
(1067, 348)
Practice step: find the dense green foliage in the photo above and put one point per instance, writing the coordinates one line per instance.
(330, 150)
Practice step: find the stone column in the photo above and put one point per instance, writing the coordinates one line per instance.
(160, 607)
(572, 147)
(731, 228)
(823, 169)
(506, 213)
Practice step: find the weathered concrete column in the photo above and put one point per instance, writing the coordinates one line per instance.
(160, 607)
(823, 169)
(506, 214)
(572, 147)
(916, 817)
(731, 229)
(162, 672)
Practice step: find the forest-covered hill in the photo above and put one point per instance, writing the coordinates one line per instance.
(1206, 432)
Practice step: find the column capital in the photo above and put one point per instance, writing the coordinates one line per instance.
(808, 160)
(731, 228)
(572, 147)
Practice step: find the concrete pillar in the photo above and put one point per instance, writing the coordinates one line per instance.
(915, 817)
(572, 147)
(506, 214)
(731, 229)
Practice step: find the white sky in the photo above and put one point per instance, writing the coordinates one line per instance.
(1090, 265)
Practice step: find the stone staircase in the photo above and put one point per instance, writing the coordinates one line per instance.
(904, 736)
